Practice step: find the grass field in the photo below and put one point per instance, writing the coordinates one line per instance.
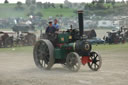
(8, 10)
(102, 47)
(17, 49)
(112, 47)
(53, 12)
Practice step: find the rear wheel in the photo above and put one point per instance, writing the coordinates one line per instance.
(73, 61)
(43, 54)
(96, 61)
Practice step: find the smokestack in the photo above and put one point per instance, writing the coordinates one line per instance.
(81, 22)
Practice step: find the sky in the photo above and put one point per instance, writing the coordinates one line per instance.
(52, 1)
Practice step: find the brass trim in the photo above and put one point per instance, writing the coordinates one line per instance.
(74, 46)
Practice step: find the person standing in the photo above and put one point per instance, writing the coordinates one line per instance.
(56, 25)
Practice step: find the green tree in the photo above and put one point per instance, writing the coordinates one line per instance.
(108, 1)
(32, 9)
(61, 6)
(94, 2)
(127, 2)
(53, 5)
(113, 2)
(19, 4)
(33, 1)
(100, 6)
(28, 3)
(45, 5)
(6, 1)
(101, 1)
(39, 5)
(123, 1)
(39, 14)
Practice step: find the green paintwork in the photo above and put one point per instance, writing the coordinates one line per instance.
(61, 53)
(69, 45)
(63, 37)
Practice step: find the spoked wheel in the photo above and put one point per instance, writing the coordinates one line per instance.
(73, 61)
(96, 61)
(43, 54)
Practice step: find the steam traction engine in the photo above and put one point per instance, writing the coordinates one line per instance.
(68, 48)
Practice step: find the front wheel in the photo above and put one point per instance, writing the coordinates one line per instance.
(73, 61)
(96, 61)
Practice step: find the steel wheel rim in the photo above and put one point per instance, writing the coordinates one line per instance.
(96, 61)
(43, 54)
(73, 62)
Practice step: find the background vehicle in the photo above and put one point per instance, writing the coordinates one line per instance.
(96, 40)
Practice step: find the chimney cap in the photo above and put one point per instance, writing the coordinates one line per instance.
(80, 11)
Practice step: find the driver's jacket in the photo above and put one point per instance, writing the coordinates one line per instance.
(50, 30)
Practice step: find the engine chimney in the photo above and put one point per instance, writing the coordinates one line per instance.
(81, 22)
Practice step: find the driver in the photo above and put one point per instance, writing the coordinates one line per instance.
(51, 33)
(50, 29)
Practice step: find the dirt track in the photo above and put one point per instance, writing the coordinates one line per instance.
(19, 69)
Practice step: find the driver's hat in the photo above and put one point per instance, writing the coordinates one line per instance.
(50, 22)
